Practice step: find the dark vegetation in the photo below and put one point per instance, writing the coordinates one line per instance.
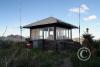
(14, 54)
(94, 46)
(92, 62)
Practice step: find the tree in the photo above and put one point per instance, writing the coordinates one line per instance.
(88, 39)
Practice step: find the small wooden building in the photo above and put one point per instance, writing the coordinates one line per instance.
(49, 30)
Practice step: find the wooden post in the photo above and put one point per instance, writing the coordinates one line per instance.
(48, 32)
(43, 33)
(71, 33)
(54, 33)
(55, 38)
(30, 34)
(43, 44)
(65, 32)
(68, 33)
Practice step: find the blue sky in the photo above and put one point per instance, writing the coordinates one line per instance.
(33, 10)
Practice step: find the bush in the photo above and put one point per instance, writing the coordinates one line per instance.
(92, 62)
(96, 44)
(5, 43)
(20, 56)
(98, 53)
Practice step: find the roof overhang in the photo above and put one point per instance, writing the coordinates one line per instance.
(50, 22)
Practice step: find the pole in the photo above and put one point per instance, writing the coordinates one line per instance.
(79, 24)
(4, 31)
(20, 17)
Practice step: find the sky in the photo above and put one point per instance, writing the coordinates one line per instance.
(34, 10)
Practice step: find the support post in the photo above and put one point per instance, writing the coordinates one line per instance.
(71, 33)
(65, 32)
(30, 34)
(43, 45)
(48, 32)
(55, 38)
(54, 33)
(68, 33)
(43, 33)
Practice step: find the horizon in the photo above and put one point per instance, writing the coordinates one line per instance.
(66, 10)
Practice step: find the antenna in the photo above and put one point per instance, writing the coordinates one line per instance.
(20, 19)
(4, 31)
(79, 23)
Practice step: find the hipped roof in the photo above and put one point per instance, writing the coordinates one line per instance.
(50, 21)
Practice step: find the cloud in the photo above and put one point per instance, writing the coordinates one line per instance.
(83, 9)
(90, 18)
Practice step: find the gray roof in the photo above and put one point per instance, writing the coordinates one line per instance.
(49, 20)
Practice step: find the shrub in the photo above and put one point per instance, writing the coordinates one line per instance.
(96, 44)
(98, 53)
(92, 62)
(5, 43)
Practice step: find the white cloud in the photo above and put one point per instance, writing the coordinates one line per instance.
(90, 18)
(83, 9)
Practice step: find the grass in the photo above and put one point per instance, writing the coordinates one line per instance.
(16, 55)
(23, 57)
(92, 62)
